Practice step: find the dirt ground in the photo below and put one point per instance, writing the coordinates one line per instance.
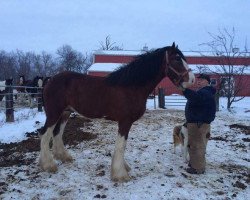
(14, 153)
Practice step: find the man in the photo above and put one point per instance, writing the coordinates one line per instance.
(200, 112)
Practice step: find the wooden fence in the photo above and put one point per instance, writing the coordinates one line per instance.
(14, 100)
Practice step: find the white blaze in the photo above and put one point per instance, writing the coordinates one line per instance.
(191, 77)
(40, 83)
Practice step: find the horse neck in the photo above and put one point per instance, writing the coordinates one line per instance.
(151, 85)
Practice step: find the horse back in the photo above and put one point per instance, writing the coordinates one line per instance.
(73, 90)
(91, 96)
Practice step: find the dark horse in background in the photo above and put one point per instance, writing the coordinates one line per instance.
(121, 97)
(29, 87)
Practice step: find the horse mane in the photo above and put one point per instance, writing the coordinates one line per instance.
(142, 69)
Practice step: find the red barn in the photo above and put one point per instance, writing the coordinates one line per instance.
(107, 61)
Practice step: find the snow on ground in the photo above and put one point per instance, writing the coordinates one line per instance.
(156, 172)
(26, 120)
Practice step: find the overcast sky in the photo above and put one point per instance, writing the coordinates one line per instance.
(36, 25)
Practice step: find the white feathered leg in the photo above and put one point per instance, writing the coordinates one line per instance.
(119, 168)
(46, 160)
(59, 151)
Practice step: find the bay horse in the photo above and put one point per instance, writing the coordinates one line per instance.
(121, 97)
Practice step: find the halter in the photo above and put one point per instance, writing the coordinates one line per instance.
(179, 75)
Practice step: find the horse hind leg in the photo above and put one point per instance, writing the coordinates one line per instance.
(46, 160)
(59, 151)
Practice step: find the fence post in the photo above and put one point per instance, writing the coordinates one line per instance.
(154, 100)
(9, 104)
(161, 98)
(39, 100)
(217, 101)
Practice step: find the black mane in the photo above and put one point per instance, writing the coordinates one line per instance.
(145, 67)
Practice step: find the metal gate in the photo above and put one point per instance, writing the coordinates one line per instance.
(175, 101)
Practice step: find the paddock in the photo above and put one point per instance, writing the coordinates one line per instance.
(157, 173)
(13, 100)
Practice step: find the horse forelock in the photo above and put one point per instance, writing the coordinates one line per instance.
(142, 69)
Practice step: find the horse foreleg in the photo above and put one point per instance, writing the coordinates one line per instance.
(46, 161)
(119, 171)
(59, 151)
(119, 168)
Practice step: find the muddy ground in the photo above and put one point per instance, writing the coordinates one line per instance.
(14, 153)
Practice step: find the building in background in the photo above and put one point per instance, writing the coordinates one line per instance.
(105, 62)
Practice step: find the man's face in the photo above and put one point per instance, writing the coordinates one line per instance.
(202, 82)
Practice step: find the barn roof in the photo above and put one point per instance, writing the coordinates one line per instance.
(186, 53)
(108, 61)
(120, 53)
(104, 67)
(109, 67)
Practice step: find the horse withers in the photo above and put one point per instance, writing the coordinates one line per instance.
(123, 95)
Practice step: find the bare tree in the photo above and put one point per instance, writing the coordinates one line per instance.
(38, 65)
(109, 45)
(88, 61)
(224, 47)
(49, 64)
(7, 66)
(71, 60)
(24, 63)
(44, 65)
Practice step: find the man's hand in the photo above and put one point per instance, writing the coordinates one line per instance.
(181, 88)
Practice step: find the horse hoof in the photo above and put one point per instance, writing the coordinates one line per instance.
(51, 167)
(64, 157)
(120, 176)
(67, 158)
(121, 179)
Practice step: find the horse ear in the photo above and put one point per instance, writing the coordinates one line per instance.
(173, 45)
(176, 47)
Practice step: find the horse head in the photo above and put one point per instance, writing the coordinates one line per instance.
(9, 81)
(176, 68)
(46, 80)
(21, 79)
(38, 81)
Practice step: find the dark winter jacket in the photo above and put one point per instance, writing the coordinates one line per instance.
(201, 106)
